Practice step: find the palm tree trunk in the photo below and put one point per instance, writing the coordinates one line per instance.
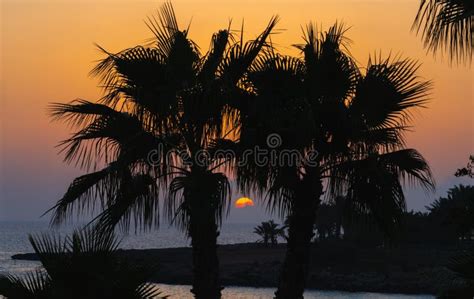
(203, 231)
(301, 220)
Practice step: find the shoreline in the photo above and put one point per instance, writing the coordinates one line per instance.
(336, 266)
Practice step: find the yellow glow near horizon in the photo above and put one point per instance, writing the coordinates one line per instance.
(243, 202)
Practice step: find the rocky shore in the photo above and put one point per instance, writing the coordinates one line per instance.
(334, 266)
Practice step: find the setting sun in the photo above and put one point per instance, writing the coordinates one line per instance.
(243, 202)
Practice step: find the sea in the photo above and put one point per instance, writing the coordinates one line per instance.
(14, 240)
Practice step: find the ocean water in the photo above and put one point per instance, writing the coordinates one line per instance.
(14, 239)
(182, 292)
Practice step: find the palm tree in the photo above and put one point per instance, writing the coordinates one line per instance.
(156, 130)
(354, 120)
(447, 25)
(269, 231)
(82, 266)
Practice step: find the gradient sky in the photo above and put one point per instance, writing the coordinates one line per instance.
(47, 51)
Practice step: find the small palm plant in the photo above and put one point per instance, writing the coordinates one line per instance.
(269, 231)
(82, 266)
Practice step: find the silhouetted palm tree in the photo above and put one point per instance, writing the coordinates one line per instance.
(82, 266)
(354, 120)
(447, 25)
(164, 106)
(269, 231)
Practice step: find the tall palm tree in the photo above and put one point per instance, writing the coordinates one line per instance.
(155, 130)
(447, 25)
(84, 265)
(354, 120)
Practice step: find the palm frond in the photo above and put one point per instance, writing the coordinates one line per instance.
(148, 291)
(240, 56)
(463, 264)
(384, 139)
(374, 183)
(137, 199)
(106, 133)
(213, 59)
(87, 258)
(79, 112)
(177, 208)
(447, 26)
(377, 191)
(92, 242)
(82, 193)
(164, 26)
(388, 92)
(411, 167)
(331, 72)
(35, 285)
(137, 75)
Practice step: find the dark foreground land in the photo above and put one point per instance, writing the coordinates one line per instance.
(335, 266)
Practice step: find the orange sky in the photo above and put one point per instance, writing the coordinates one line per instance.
(47, 51)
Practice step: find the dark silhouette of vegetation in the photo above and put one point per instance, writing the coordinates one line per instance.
(456, 211)
(167, 98)
(331, 218)
(460, 200)
(355, 121)
(463, 265)
(415, 228)
(269, 232)
(425, 228)
(468, 170)
(448, 220)
(325, 225)
(84, 265)
(447, 25)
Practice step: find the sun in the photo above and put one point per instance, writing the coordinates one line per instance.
(243, 202)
